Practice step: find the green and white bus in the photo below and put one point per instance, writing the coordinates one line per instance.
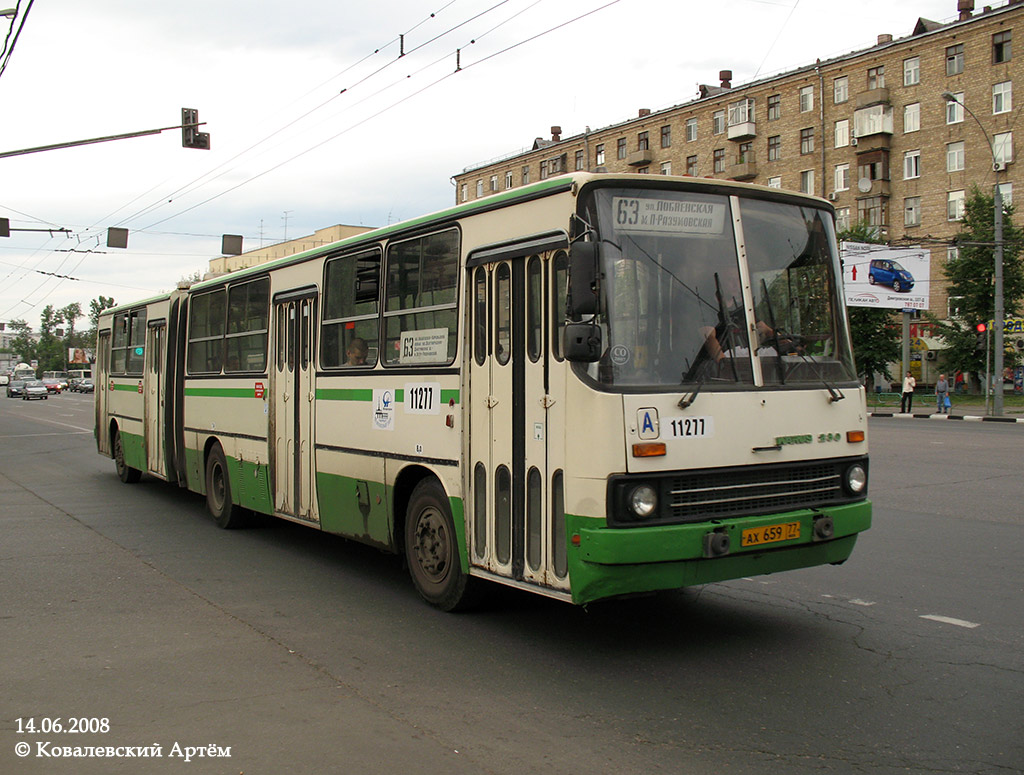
(593, 386)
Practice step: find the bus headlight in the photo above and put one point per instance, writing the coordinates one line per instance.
(856, 479)
(643, 500)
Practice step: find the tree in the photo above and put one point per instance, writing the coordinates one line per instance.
(874, 332)
(23, 345)
(971, 277)
(50, 350)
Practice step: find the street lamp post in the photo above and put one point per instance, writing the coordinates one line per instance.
(998, 313)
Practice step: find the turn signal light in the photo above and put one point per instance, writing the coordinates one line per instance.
(854, 436)
(649, 449)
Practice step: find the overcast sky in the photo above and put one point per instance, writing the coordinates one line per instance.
(315, 120)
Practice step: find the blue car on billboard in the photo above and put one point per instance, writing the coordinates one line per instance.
(891, 273)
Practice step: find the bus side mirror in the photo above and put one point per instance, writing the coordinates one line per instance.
(582, 343)
(583, 280)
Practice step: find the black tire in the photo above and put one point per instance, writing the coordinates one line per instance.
(125, 472)
(432, 551)
(218, 492)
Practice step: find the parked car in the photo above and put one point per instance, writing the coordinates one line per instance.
(54, 386)
(85, 386)
(14, 388)
(34, 388)
(891, 273)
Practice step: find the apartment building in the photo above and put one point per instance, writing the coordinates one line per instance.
(894, 135)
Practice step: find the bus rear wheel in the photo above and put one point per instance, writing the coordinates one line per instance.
(218, 492)
(125, 472)
(432, 550)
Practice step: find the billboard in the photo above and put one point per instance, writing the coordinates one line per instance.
(884, 277)
(78, 356)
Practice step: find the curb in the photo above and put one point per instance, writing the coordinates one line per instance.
(936, 416)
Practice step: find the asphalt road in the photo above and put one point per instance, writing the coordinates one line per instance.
(304, 653)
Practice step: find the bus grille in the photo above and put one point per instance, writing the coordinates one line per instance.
(704, 495)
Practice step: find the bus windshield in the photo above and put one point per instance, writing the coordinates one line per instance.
(682, 304)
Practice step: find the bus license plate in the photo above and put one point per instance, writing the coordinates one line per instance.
(769, 534)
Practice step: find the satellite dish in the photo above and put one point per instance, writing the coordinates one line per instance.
(864, 185)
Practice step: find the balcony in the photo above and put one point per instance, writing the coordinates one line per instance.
(744, 130)
(744, 169)
(640, 158)
(870, 97)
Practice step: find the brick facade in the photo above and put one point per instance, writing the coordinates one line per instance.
(782, 131)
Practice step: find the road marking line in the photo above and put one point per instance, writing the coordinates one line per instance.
(858, 601)
(950, 620)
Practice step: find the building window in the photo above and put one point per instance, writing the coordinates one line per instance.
(912, 211)
(1001, 47)
(526, 175)
(955, 59)
(620, 148)
(842, 133)
(807, 141)
(774, 147)
(1002, 146)
(494, 183)
(841, 89)
(955, 157)
(807, 181)
(599, 155)
(479, 188)
(1002, 97)
(774, 107)
(842, 177)
(955, 109)
(746, 152)
(842, 218)
(876, 77)
(544, 170)
(666, 168)
(719, 158)
(912, 117)
(872, 211)
(806, 99)
(643, 142)
(911, 165)
(463, 192)
(873, 165)
(912, 71)
(718, 122)
(691, 166)
(508, 180)
(579, 160)
(644, 171)
(1006, 190)
(666, 137)
(955, 205)
(691, 130)
(775, 182)
(741, 112)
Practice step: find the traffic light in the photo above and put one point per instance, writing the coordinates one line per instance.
(191, 137)
(979, 336)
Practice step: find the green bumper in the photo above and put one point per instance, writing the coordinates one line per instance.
(604, 562)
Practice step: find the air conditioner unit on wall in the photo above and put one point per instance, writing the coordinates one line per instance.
(853, 141)
(833, 196)
(931, 355)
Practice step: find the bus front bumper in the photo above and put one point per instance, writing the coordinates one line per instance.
(605, 562)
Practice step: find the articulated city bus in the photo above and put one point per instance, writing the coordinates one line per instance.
(592, 386)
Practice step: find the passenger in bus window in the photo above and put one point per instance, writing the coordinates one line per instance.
(356, 352)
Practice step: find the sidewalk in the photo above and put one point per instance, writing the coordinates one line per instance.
(970, 408)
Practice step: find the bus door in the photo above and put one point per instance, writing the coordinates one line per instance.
(293, 405)
(154, 382)
(515, 426)
(102, 386)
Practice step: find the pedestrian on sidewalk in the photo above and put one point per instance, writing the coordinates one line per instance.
(907, 399)
(942, 395)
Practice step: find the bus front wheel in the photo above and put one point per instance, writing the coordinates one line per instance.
(218, 492)
(125, 472)
(432, 551)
